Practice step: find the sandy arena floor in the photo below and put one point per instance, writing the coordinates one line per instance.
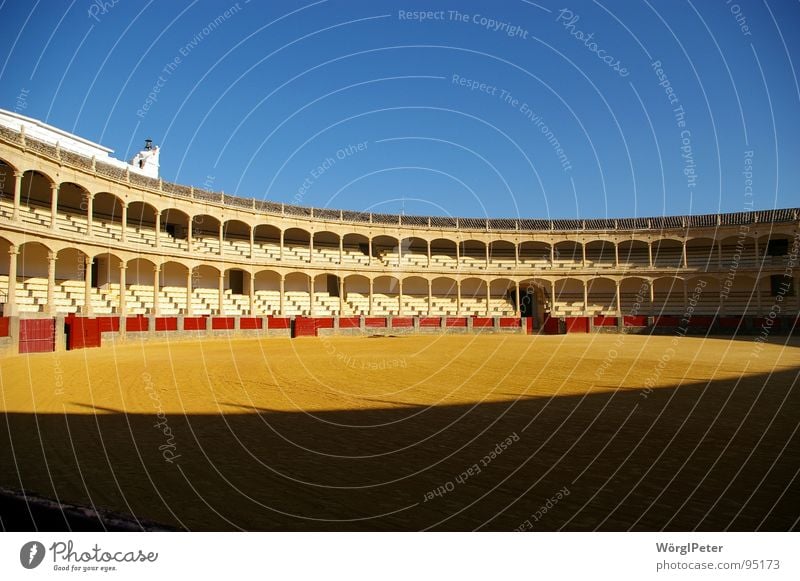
(425, 432)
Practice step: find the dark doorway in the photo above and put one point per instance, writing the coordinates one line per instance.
(333, 285)
(237, 282)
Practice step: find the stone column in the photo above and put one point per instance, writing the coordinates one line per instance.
(429, 253)
(488, 298)
(280, 254)
(758, 296)
(282, 288)
(719, 254)
(583, 254)
(189, 307)
(616, 255)
(552, 298)
(221, 236)
(369, 310)
(430, 296)
(619, 305)
(685, 296)
(51, 282)
(221, 305)
(458, 254)
(650, 253)
(158, 229)
(458, 297)
(89, 213)
(123, 291)
(585, 298)
(252, 243)
(683, 249)
(311, 309)
(189, 228)
(311, 248)
(53, 205)
(516, 254)
(488, 247)
(341, 249)
(552, 255)
(156, 290)
(87, 287)
(652, 298)
(17, 195)
(252, 294)
(517, 312)
(400, 297)
(11, 303)
(399, 251)
(124, 222)
(341, 296)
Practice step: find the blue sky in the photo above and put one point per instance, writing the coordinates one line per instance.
(513, 108)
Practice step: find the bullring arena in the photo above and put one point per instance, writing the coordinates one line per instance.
(208, 361)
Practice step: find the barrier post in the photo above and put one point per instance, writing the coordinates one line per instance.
(416, 324)
(60, 334)
(181, 327)
(469, 324)
(13, 333)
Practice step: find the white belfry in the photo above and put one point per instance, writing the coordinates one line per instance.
(146, 161)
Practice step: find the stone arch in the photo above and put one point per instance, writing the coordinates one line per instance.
(297, 300)
(668, 297)
(386, 295)
(107, 216)
(356, 296)
(267, 291)
(443, 253)
(297, 245)
(72, 207)
(236, 238)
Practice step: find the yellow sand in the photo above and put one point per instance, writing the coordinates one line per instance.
(354, 433)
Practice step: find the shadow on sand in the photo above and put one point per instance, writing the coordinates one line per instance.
(706, 456)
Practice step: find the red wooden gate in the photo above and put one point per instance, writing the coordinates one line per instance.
(83, 333)
(37, 335)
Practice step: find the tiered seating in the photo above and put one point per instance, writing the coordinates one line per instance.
(235, 304)
(205, 301)
(297, 303)
(567, 304)
(268, 301)
(325, 305)
(356, 304)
